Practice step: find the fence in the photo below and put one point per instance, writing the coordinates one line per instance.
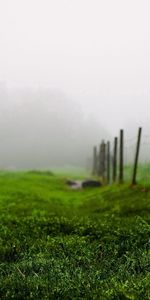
(122, 159)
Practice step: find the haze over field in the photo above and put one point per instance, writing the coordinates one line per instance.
(43, 128)
(71, 73)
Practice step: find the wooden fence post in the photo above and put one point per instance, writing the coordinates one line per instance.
(136, 157)
(115, 159)
(104, 162)
(94, 171)
(100, 160)
(108, 162)
(121, 158)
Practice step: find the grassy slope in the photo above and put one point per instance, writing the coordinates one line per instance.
(61, 244)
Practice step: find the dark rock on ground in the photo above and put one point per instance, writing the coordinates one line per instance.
(83, 183)
(91, 183)
(71, 182)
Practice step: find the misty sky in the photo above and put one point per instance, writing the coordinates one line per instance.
(97, 52)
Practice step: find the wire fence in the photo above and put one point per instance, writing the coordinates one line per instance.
(123, 159)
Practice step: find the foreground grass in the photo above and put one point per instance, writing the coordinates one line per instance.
(56, 243)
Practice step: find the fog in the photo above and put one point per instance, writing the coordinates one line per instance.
(41, 128)
(71, 74)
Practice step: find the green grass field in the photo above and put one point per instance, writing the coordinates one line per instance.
(57, 243)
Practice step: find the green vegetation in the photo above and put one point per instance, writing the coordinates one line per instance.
(143, 174)
(57, 243)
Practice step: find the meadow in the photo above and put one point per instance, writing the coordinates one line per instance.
(58, 243)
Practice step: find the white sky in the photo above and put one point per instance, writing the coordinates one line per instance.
(96, 51)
